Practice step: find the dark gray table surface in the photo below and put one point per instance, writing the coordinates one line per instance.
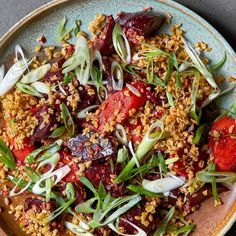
(220, 13)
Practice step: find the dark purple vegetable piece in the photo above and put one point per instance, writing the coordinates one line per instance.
(42, 133)
(53, 77)
(86, 99)
(200, 196)
(39, 204)
(85, 150)
(142, 23)
(103, 42)
(102, 172)
(130, 216)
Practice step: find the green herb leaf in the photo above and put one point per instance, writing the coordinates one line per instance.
(199, 133)
(28, 89)
(59, 211)
(68, 78)
(68, 120)
(169, 69)
(219, 64)
(76, 28)
(89, 185)
(176, 65)
(7, 157)
(140, 190)
(61, 30)
(58, 132)
(160, 231)
(170, 99)
(163, 167)
(212, 167)
(187, 229)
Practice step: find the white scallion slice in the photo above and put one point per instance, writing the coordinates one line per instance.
(59, 174)
(52, 161)
(133, 90)
(80, 230)
(2, 72)
(28, 89)
(149, 140)
(140, 232)
(131, 149)
(19, 50)
(80, 61)
(96, 56)
(41, 87)
(13, 75)
(13, 191)
(121, 44)
(36, 74)
(163, 185)
(117, 76)
(218, 94)
(121, 134)
(83, 113)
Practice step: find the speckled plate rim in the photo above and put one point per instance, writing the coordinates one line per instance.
(222, 228)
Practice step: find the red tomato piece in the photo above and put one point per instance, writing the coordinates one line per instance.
(132, 130)
(223, 144)
(21, 154)
(67, 159)
(121, 102)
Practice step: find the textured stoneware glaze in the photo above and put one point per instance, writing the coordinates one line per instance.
(210, 220)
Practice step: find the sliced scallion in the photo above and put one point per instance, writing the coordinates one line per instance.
(13, 75)
(7, 157)
(121, 43)
(83, 113)
(117, 76)
(149, 140)
(219, 64)
(140, 190)
(58, 132)
(220, 177)
(28, 89)
(68, 120)
(170, 98)
(35, 75)
(199, 133)
(61, 30)
(160, 231)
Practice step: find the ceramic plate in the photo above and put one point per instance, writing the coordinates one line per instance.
(210, 220)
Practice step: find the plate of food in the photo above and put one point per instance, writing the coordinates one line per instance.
(116, 119)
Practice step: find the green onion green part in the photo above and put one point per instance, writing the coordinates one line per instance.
(7, 157)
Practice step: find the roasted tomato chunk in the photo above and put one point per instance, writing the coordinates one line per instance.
(120, 104)
(223, 143)
(21, 154)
